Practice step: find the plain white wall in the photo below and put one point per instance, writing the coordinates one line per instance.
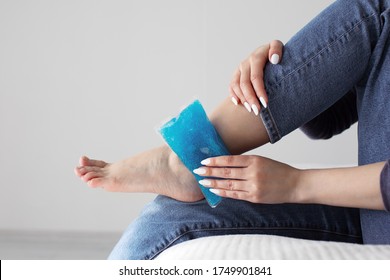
(97, 77)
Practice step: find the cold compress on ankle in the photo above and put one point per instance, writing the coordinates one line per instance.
(193, 138)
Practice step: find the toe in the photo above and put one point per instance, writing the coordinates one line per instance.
(85, 161)
(98, 163)
(91, 175)
(95, 182)
(83, 170)
(80, 171)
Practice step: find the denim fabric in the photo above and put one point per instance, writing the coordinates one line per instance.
(166, 222)
(334, 120)
(345, 48)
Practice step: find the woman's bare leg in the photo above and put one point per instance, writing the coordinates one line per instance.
(160, 171)
(240, 130)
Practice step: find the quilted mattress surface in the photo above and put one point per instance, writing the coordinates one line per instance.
(268, 247)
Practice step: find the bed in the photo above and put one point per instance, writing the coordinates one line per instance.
(270, 247)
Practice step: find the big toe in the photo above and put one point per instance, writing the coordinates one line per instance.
(85, 161)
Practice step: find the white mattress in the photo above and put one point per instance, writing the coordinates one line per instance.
(258, 247)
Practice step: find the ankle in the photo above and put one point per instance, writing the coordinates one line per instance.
(178, 168)
(174, 162)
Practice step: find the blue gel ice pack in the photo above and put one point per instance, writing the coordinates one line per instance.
(193, 138)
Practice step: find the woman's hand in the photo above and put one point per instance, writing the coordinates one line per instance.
(247, 84)
(252, 178)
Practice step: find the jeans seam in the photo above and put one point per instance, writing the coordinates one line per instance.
(248, 228)
(270, 126)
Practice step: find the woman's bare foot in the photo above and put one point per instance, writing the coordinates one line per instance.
(156, 171)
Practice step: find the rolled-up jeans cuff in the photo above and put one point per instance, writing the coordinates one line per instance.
(270, 125)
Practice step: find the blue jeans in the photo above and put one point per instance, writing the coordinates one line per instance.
(166, 222)
(344, 48)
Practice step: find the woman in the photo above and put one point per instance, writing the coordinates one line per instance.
(333, 70)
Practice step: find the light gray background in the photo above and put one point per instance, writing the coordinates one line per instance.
(97, 77)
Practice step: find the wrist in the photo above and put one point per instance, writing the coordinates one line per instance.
(302, 186)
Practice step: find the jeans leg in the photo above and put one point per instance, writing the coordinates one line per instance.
(321, 63)
(373, 105)
(166, 222)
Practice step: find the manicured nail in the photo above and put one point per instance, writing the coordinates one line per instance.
(247, 106)
(275, 58)
(255, 110)
(205, 161)
(199, 171)
(263, 102)
(234, 100)
(205, 182)
(217, 192)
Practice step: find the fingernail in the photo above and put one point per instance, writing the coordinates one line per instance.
(255, 110)
(234, 100)
(205, 182)
(262, 101)
(275, 58)
(205, 161)
(247, 106)
(217, 192)
(199, 171)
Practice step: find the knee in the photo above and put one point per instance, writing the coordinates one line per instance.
(151, 232)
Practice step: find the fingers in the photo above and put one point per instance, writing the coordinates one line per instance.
(231, 194)
(241, 88)
(231, 185)
(227, 188)
(275, 51)
(235, 90)
(258, 60)
(251, 102)
(227, 167)
(221, 172)
(247, 85)
(232, 170)
(236, 189)
(230, 176)
(228, 161)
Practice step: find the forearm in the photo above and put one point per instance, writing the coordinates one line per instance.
(357, 187)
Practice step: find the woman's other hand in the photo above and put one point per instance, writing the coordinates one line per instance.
(247, 85)
(248, 177)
